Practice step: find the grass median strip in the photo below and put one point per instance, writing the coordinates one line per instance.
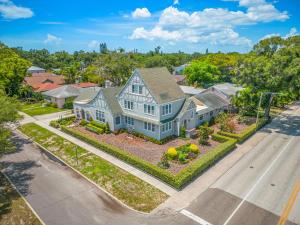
(13, 209)
(129, 189)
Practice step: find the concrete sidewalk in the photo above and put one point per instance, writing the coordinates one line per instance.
(136, 172)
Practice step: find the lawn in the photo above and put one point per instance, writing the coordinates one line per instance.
(123, 185)
(35, 109)
(13, 209)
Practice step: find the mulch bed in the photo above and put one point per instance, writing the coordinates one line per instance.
(147, 150)
(239, 127)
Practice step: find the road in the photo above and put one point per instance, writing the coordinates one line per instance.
(256, 189)
(253, 192)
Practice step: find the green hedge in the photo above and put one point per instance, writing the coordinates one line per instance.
(94, 129)
(245, 134)
(63, 122)
(178, 180)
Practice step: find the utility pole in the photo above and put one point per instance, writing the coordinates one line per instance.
(259, 104)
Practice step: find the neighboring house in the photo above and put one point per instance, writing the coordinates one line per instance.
(178, 70)
(35, 69)
(38, 80)
(61, 94)
(180, 79)
(225, 90)
(150, 103)
(190, 91)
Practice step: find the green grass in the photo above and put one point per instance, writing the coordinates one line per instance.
(36, 109)
(126, 187)
(13, 209)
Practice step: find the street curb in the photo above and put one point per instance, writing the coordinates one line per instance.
(24, 199)
(88, 179)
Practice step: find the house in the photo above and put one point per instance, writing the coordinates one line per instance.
(35, 69)
(178, 70)
(60, 95)
(150, 103)
(180, 79)
(225, 90)
(190, 91)
(38, 81)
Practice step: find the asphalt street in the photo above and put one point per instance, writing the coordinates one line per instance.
(255, 191)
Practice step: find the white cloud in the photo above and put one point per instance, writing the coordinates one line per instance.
(293, 31)
(52, 39)
(141, 13)
(213, 25)
(93, 44)
(51, 22)
(175, 2)
(9, 10)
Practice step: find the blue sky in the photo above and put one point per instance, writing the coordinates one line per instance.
(186, 25)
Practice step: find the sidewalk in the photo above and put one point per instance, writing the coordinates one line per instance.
(134, 171)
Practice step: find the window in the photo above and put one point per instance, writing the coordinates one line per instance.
(149, 126)
(166, 127)
(129, 120)
(128, 104)
(100, 116)
(201, 117)
(166, 109)
(137, 89)
(149, 109)
(118, 120)
(211, 113)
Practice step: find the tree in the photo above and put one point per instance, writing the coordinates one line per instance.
(92, 74)
(13, 69)
(204, 132)
(116, 67)
(103, 48)
(8, 113)
(202, 73)
(71, 73)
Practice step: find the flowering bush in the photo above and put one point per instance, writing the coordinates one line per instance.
(172, 153)
(194, 149)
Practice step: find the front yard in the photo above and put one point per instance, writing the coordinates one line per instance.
(35, 109)
(124, 186)
(13, 209)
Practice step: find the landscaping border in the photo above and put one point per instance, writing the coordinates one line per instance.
(249, 131)
(177, 181)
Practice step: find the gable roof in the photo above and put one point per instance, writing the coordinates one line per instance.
(228, 88)
(189, 90)
(37, 79)
(46, 87)
(110, 94)
(85, 85)
(86, 95)
(35, 68)
(161, 84)
(211, 100)
(64, 91)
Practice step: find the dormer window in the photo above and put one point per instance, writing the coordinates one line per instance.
(137, 89)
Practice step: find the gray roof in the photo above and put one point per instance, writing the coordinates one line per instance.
(110, 94)
(35, 68)
(228, 88)
(64, 91)
(161, 84)
(87, 94)
(179, 69)
(191, 90)
(211, 100)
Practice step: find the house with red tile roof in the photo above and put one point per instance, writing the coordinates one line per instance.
(38, 80)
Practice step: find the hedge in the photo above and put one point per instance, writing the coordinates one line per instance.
(246, 133)
(94, 129)
(62, 122)
(178, 180)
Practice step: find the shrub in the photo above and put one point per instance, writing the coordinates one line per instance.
(182, 132)
(103, 126)
(94, 129)
(177, 181)
(172, 153)
(203, 135)
(54, 124)
(83, 122)
(194, 149)
(54, 105)
(182, 158)
(164, 162)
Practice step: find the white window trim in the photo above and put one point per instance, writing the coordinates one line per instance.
(169, 112)
(146, 112)
(167, 126)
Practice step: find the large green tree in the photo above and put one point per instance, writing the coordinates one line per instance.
(201, 73)
(13, 69)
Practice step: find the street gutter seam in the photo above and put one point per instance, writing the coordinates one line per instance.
(88, 179)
